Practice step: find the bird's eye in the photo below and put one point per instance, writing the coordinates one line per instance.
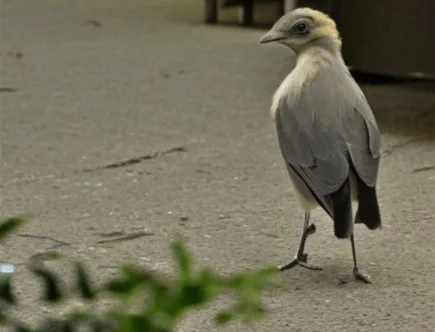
(301, 28)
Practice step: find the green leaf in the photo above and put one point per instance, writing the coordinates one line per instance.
(9, 225)
(83, 283)
(253, 279)
(130, 280)
(210, 282)
(45, 256)
(192, 295)
(118, 286)
(102, 326)
(249, 309)
(5, 290)
(164, 299)
(22, 328)
(224, 317)
(199, 291)
(52, 292)
(18, 327)
(165, 302)
(183, 260)
(136, 323)
(268, 272)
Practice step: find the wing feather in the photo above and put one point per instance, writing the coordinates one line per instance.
(328, 130)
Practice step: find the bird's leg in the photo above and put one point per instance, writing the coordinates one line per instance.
(357, 273)
(301, 257)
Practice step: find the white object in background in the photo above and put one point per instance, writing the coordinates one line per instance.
(289, 5)
(240, 13)
(7, 268)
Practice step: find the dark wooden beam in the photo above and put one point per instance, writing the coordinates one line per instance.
(211, 11)
(248, 12)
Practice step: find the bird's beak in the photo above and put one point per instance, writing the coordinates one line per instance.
(272, 36)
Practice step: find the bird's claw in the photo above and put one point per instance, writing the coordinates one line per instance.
(310, 230)
(301, 258)
(357, 275)
(309, 266)
(301, 261)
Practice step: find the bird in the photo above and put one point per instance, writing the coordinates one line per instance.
(327, 133)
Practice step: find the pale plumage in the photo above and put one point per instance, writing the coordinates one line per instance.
(327, 132)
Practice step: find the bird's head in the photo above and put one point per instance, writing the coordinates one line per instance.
(302, 28)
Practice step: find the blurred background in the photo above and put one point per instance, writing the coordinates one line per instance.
(380, 37)
(129, 116)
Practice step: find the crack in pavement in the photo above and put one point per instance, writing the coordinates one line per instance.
(135, 160)
(127, 237)
(424, 169)
(43, 237)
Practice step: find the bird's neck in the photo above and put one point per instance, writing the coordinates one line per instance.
(317, 56)
(312, 59)
(331, 46)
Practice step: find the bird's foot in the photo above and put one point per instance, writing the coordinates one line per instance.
(301, 261)
(301, 258)
(357, 275)
(309, 231)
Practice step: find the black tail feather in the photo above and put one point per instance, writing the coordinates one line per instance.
(368, 208)
(342, 211)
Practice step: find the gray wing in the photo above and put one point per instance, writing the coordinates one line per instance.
(364, 141)
(323, 133)
(312, 151)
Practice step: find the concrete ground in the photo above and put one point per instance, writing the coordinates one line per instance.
(90, 83)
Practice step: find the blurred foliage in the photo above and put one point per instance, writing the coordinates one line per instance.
(162, 301)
